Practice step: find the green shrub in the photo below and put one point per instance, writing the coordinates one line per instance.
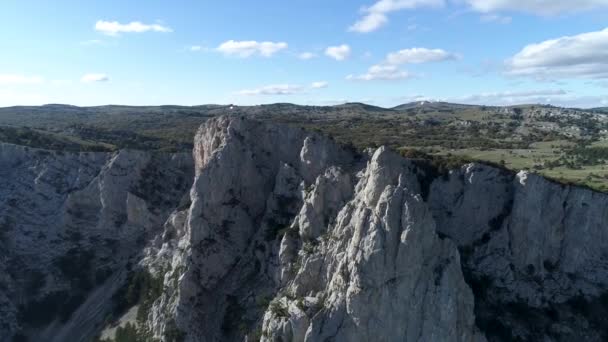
(278, 308)
(128, 333)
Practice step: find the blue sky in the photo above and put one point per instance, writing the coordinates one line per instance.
(382, 52)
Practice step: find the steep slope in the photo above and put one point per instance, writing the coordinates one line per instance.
(378, 271)
(71, 223)
(359, 255)
(534, 251)
(288, 226)
(287, 236)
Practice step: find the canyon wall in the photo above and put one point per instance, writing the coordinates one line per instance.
(272, 233)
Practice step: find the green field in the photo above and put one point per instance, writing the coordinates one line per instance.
(595, 177)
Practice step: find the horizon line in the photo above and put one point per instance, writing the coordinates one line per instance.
(420, 103)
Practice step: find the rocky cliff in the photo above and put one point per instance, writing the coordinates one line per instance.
(286, 236)
(71, 226)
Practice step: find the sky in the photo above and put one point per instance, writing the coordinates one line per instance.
(310, 52)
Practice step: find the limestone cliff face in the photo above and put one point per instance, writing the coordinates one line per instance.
(286, 236)
(290, 237)
(534, 251)
(71, 222)
(376, 272)
(249, 184)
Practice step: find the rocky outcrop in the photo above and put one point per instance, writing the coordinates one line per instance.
(286, 236)
(71, 223)
(290, 237)
(249, 184)
(378, 272)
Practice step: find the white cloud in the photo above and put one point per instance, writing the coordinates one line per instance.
(94, 78)
(196, 48)
(555, 97)
(114, 28)
(15, 79)
(383, 72)
(581, 56)
(541, 7)
(339, 53)
(283, 89)
(495, 18)
(250, 48)
(389, 68)
(307, 55)
(319, 85)
(369, 23)
(418, 55)
(275, 89)
(376, 15)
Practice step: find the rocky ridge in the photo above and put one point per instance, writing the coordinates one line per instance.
(287, 236)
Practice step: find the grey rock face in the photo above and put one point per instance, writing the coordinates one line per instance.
(321, 243)
(248, 186)
(276, 234)
(71, 222)
(534, 251)
(378, 273)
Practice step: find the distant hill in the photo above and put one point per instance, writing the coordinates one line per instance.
(109, 127)
(172, 127)
(362, 107)
(432, 105)
(563, 143)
